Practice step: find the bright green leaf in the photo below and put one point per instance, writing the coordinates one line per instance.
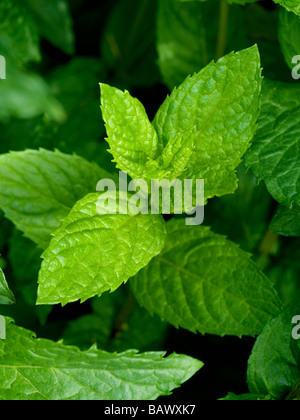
(39, 188)
(223, 103)
(132, 139)
(203, 282)
(92, 253)
(38, 369)
(290, 5)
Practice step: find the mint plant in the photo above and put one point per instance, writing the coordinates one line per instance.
(102, 303)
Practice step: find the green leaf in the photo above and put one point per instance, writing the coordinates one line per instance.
(275, 153)
(132, 138)
(290, 5)
(18, 33)
(39, 188)
(6, 296)
(289, 36)
(203, 282)
(272, 368)
(286, 222)
(92, 253)
(174, 158)
(223, 103)
(188, 33)
(54, 22)
(38, 369)
(26, 95)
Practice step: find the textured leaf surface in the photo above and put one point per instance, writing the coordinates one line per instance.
(275, 153)
(54, 22)
(38, 189)
(272, 368)
(203, 282)
(290, 5)
(131, 137)
(286, 222)
(6, 296)
(38, 369)
(93, 253)
(223, 103)
(289, 35)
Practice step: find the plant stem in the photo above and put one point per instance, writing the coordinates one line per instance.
(223, 29)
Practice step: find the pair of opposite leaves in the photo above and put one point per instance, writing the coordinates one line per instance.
(91, 253)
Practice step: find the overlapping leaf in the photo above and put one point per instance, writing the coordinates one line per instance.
(6, 296)
(39, 188)
(92, 253)
(274, 155)
(223, 103)
(272, 366)
(286, 221)
(203, 282)
(189, 37)
(289, 36)
(38, 369)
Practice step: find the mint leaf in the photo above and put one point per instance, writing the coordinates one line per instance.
(290, 5)
(274, 155)
(289, 35)
(272, 368)
(203, 282)
(223, 103)
(54, 22)
(38, 369)
(26, 95)
(131, 137)
(18, 33)
(188, 33)
(174, 158)
(6, 296)
(92, 253)
(286, 222)
(39, 188)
